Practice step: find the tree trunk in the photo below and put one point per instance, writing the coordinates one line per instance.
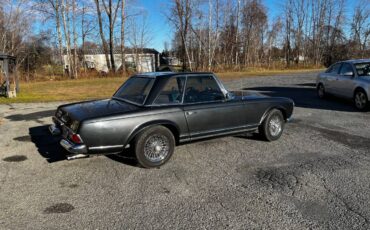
(75, 57)
(104, 42)
(123, 19)
(64, 11)
(59, 32)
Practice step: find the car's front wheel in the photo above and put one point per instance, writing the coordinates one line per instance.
(360, 100)
(273, 125)
(154, 146)
(321, 91)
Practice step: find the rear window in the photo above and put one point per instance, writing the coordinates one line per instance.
(363, 69)
(135, 89)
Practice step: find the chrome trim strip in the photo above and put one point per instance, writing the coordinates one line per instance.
(222, 131)
(105, 147)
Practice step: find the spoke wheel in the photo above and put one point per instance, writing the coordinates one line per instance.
(361, 100)
(275, 125)
(272, 126)
(154, 146)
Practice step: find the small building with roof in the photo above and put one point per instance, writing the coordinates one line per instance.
(141, 60)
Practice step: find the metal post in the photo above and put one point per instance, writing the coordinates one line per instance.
(16, 76)
(6, 72)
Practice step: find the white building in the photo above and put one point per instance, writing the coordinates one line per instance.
(146, 60)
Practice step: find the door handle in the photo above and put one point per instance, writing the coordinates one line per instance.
(190, 113)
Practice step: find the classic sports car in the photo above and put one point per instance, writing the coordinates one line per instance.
(152, 113)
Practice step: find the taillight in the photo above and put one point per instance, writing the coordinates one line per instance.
(75, 138)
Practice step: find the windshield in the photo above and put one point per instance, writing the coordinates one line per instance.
(363, 69)
(135, 89)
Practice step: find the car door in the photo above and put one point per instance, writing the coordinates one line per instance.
(344, 84)
(207, 111)
(331, 78)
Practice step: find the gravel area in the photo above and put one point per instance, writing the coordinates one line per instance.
(317, 176)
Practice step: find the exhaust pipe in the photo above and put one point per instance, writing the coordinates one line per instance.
(76, 156)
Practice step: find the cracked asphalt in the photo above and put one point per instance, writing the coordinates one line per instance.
(317, 176)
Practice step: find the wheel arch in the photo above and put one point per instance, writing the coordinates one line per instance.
(280, 108)
(320, 83)
(359, 88)
(174, 129)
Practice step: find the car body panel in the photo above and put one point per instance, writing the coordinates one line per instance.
(108, 126)
(343, 85)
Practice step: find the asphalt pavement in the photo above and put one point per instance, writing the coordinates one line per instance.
(317, 176)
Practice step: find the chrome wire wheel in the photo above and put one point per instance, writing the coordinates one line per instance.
(156, 148)
(275, 126)
(360, 100)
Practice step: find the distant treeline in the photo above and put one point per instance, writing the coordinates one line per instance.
(207, 34)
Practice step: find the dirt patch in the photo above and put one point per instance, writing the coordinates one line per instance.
(15, 158)
(59, 208)
(73, 186)
(277, 178)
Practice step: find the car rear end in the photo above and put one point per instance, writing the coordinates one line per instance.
(67, 127)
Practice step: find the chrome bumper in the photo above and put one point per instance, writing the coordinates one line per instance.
(73, 148)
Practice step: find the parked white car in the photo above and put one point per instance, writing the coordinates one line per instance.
(348, 79)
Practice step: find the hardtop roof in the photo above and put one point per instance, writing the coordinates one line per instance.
(169, 74)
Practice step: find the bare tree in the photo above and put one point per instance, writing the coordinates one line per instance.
(123, 20)
(101, 32)
(181, 13)
(360, 26)
(139, 37)
(111, 12)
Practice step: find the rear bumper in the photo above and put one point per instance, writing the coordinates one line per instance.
(66, 144)
(73, 148)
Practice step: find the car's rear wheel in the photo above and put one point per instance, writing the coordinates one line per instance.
(360, 100)
(321, 91)
(273, 125)
(154, 146)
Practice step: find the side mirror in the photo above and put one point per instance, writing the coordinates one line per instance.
(229, 96)
(349, 74)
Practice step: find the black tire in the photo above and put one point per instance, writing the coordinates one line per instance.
(360, 100)
(272, 126)
(321, 91)
(154, 146)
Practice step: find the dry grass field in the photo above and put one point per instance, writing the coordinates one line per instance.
(97, 88)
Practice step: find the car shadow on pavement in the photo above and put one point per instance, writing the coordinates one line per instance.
(305, 96)
(36, 116)
(47, 145)
(250, 136)
(127, 157)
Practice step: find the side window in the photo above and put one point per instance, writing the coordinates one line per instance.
(346, 68)
(172, 92)
(334, 69)
(202, 89)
